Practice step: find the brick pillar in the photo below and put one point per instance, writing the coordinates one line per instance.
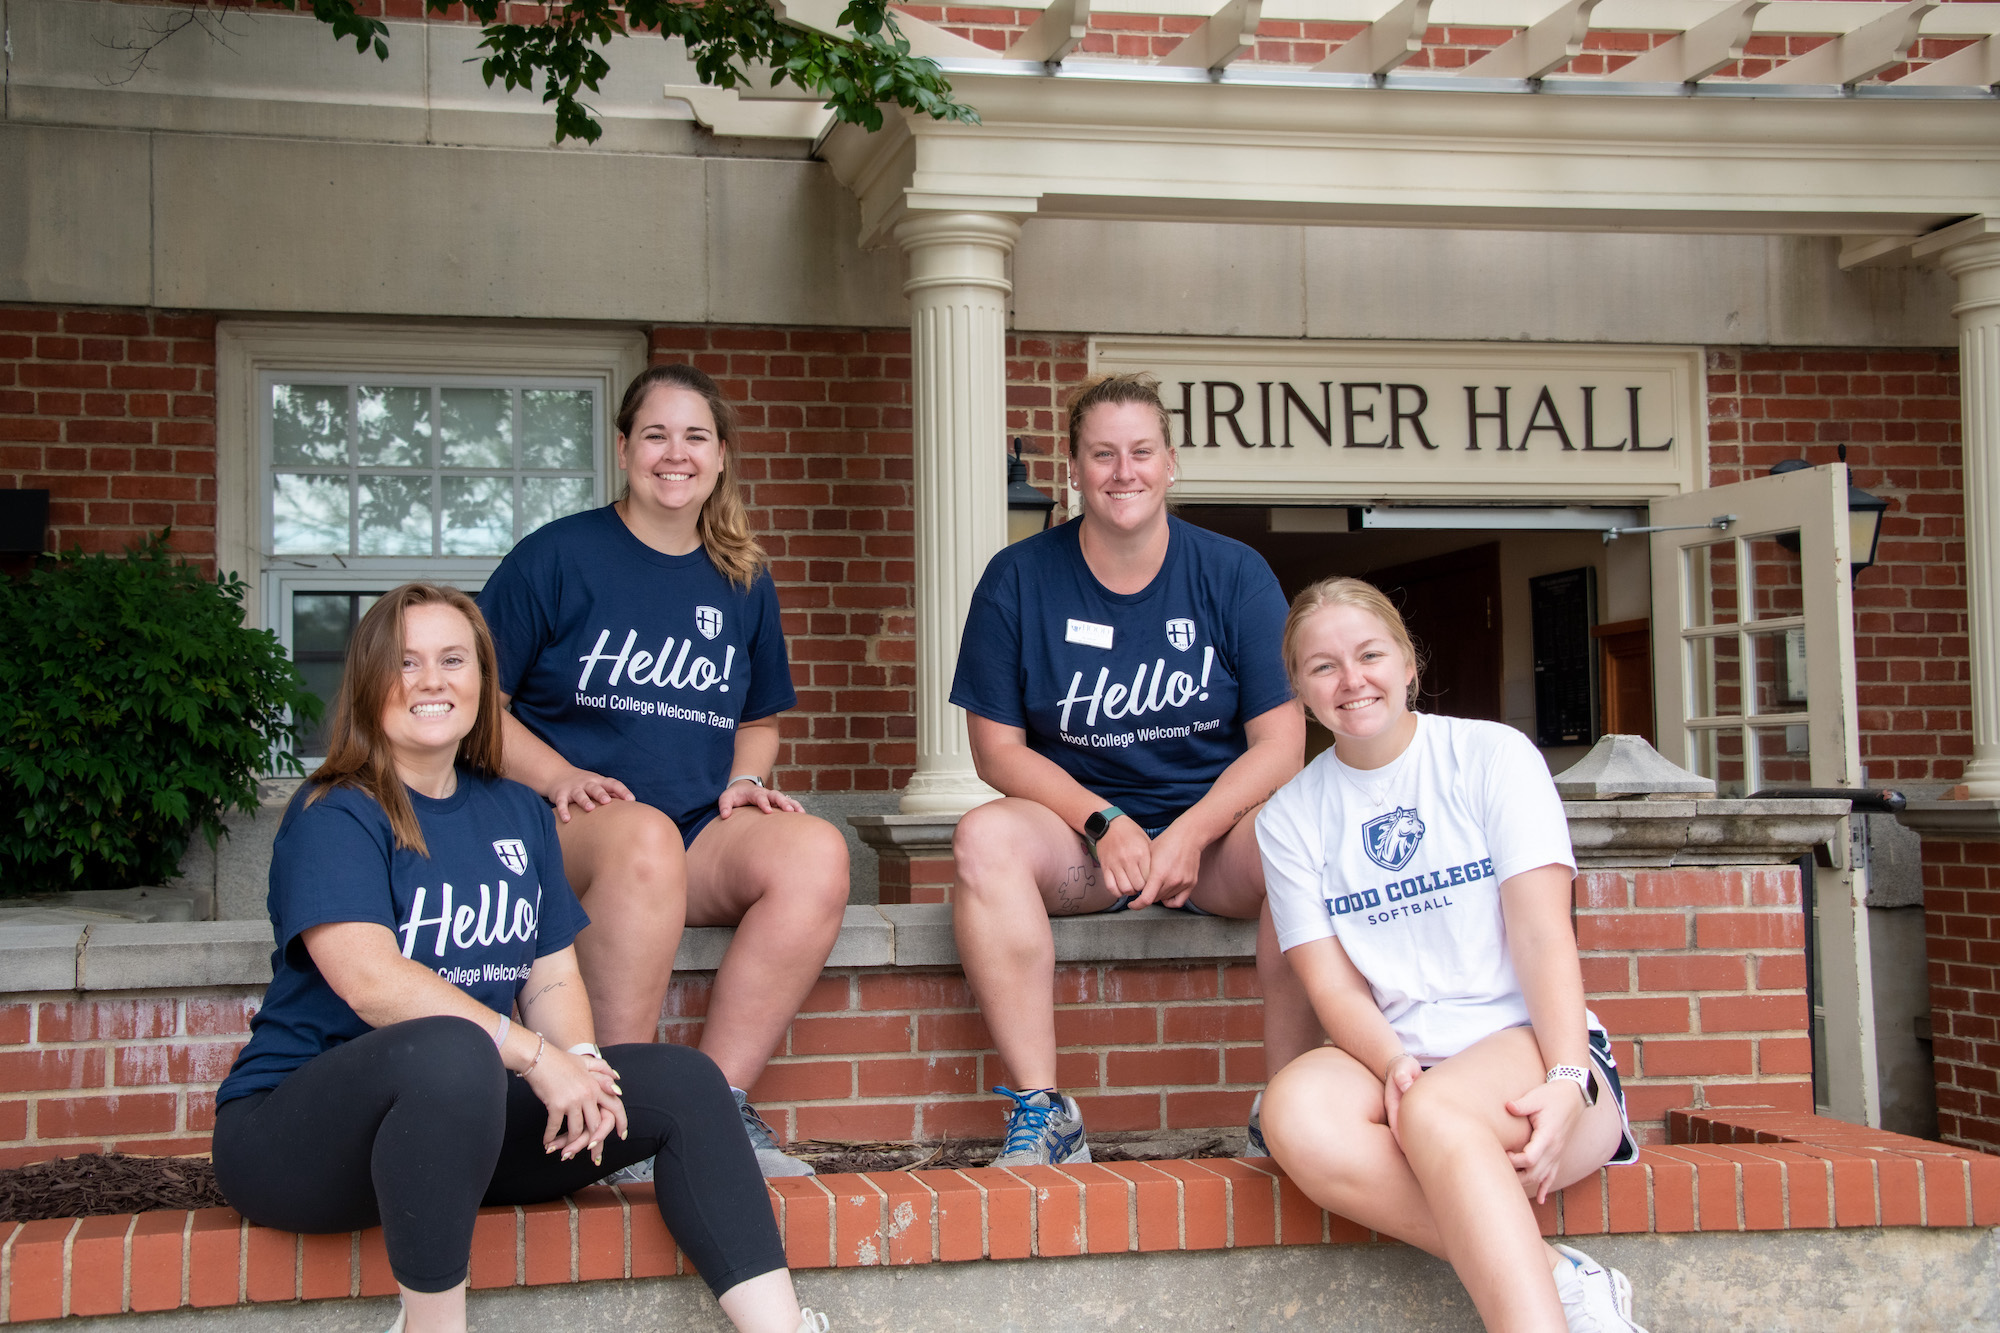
(1962, 942)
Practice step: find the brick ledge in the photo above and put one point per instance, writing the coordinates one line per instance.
(1746, 1169)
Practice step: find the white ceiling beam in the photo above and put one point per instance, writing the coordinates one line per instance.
(1059, 31)
(1700, 51)
(1874, 251)
(1854, 56)
(1541, 49)
(1222, 37)
(926, 39)
(1975, 66)
(1383, 44)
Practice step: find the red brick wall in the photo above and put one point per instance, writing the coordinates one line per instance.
(1962, 922)
(113, 413)
(1898, 414)
(1697, 973)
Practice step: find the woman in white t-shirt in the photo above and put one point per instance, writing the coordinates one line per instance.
(1420, 876)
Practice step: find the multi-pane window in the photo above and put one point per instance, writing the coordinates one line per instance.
(381, 467)
(372, 480)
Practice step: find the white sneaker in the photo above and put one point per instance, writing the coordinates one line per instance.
(1595, 1299)
(810, 1322)
(1253, 1142)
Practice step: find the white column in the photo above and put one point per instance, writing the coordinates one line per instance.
(958, 291)
(1975, 262)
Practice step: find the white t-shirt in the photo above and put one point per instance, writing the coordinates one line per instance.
(1403, 865)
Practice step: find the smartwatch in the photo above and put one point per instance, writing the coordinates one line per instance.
(1099, 824)
(1580, 1077)
(750, 778)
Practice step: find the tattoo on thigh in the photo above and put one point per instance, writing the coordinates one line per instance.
(1075, 883)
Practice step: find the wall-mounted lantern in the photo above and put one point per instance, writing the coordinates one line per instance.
(1864, 519)
(1027, 508)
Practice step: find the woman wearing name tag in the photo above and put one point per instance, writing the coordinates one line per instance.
(1420, 873)
(1126, 694)
(644, 666)
(419, 905)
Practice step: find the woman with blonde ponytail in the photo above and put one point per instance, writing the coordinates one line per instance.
(642, 670)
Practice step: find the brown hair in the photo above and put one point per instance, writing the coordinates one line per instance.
(724, 522)
(1356, 593)
(357, 751)
(1134, 386)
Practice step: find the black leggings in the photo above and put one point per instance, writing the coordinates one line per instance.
(416, 1125)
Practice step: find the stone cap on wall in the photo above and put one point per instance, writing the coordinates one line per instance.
(181, 955)
(1953, 819)
(1647, 832)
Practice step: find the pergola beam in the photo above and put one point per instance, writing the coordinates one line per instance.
(1539, 50)
(1059, 31)
(1975, 66)
(1854, 56)
(1225, 35)
(1384, 44)
(1711, 45)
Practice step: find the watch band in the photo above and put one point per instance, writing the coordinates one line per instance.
(744, 777)
(1578, 1076)
(1100, 822)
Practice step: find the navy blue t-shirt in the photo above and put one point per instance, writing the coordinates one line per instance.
(1141, 697)
(488, 901)
(634, 664)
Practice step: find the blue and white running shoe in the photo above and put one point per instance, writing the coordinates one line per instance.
(1045, 1128)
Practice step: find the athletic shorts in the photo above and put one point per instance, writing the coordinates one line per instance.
(1125, 903)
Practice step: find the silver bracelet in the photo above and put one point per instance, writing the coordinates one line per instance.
(500, 1033)
(744, 777)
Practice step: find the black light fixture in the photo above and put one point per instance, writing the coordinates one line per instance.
(1864, 519)
(1027, 508)
(24, 521)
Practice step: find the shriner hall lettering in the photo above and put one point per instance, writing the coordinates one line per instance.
(1383, 414)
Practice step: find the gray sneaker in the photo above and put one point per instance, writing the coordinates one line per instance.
(1045, 1128)
(1253, 1142)
(639, 1173)
(771, 1159)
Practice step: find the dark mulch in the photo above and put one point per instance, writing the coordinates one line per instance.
(97, 1184)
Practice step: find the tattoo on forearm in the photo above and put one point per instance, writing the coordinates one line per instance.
(1237, 818)
(553, 985)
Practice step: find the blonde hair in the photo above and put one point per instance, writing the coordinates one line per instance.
(1358, 593)
(1134, 386)
(358, 753)
(724, 522)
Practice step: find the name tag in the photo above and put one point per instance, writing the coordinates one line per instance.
(1094, 636)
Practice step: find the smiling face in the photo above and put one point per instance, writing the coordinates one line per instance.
(433, 705)
(674, 453)
(1122, 466)
(1353, 674)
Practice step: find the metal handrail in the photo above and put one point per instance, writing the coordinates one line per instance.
(1865, 800)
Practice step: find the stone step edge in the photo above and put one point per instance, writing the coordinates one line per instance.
(1736, 1169)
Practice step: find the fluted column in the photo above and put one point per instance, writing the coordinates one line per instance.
(1976, 264)
(958, 291)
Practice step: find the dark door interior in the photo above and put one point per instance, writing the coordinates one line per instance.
(1452, 605)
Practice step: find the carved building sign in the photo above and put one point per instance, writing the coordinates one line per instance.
(1297, 422)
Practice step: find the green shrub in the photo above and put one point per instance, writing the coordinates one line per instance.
(135, 708)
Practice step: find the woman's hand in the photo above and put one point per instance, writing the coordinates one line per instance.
(1124, 857)
(582, 1093)
(1553, 1112)
(581, 787)
(745, 792)
(1173, 870)
(1397, 1079)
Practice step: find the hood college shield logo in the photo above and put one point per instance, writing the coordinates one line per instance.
(513, 854)
(1180, 633)
(708, 620)
(1391, 840)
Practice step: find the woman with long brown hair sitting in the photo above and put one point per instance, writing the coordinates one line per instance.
(426, 1044)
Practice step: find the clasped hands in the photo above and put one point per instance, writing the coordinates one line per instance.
(1147, 870)
(584, 1100)
(1552, 1110)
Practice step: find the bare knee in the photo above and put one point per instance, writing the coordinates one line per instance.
(1310, 1121)
(986, 846)
(813, 878)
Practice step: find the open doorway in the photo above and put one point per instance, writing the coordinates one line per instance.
(1465, 593)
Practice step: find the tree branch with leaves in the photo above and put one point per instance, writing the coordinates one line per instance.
(868, 64)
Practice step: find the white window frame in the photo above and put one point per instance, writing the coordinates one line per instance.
(249, 352)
